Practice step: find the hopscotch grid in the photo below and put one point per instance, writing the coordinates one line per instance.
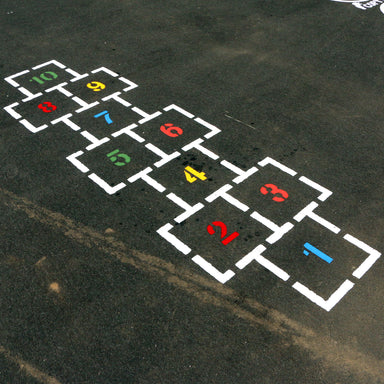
(189, 210)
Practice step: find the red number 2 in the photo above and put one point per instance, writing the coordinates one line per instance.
(271, 188)
(223, 230)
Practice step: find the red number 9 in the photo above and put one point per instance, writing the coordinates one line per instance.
(271, 188)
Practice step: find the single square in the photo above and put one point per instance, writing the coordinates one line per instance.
(99, 84)
(217, 235)
(274, 194)
(116, 160)
(32, 82)
(192, 176)
(174, 129)
(37, 113)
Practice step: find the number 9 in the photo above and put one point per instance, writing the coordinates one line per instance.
(96, 86)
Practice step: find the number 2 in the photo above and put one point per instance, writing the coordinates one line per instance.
(223, 232)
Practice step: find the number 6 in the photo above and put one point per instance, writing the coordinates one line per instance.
(170, 130)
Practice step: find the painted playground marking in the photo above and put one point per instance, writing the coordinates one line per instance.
(144, 143)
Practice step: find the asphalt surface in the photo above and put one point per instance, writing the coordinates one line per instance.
(191, 192)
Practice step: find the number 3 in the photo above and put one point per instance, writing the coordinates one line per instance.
(271, 188)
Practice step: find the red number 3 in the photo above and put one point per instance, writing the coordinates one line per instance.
(279, 194)
(47, 107)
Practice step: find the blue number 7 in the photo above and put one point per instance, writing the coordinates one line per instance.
(106, 116)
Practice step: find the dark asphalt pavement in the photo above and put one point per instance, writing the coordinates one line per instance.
(191, 192)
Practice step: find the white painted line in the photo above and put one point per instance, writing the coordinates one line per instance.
(214, 130)
(178, 201)
(325, 304)
(84, 105)
(77, 163)
(222, 192)
(128, 131)
(10, 80)
(131, 84)
(272, 267)
(245, 175)
(213, 196)
(236, 203)
(156, 150)
(62, 66)
(323, 222)
(208, 267)
(31, 127)
(247, 259)
(192, 144)
(325, 193)
(232, 167)
(369, 261)
(60, 88)
(305, 211)
(106, 70)
(76, 76)
(165, 160)
(30, 95)
(117, 98)
(196, 145)
(189, 209)
(94, 140)
(178, 109)
(276, 164)
(280, 233)
(65, 119)
(107, 188)
(13, 113)
(164, 232)
(146, 116)
(266, 222)
(148, 179)
(242, 174)
(184, 216)
(139, 175)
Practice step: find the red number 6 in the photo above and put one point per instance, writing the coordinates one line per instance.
(170, 130)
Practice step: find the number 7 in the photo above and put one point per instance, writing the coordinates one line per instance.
(106, 116)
